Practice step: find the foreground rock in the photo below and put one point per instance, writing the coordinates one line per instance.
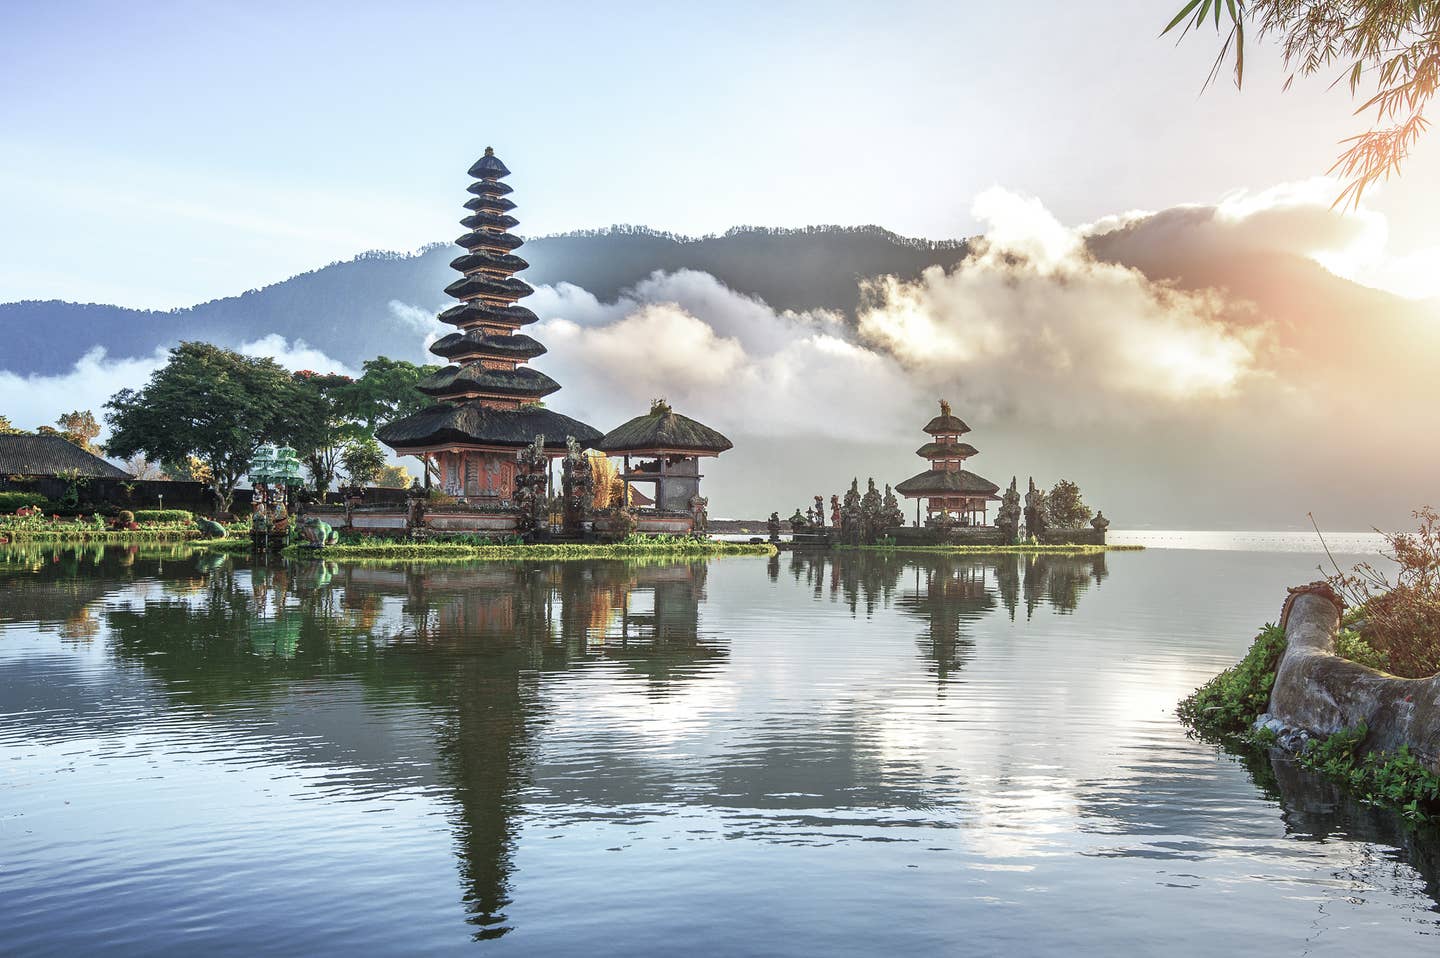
(1319, 693)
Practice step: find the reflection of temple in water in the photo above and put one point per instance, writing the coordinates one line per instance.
(472, 643)
(946, 591)
(314, 664)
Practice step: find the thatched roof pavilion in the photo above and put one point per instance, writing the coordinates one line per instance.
(674, 445)
(664, 431)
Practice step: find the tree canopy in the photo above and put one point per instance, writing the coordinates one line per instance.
(363, 460)
(79, 427)
(1387, 52)
(1064, 509)
(344, 412)
(211, 403)
(385, 391)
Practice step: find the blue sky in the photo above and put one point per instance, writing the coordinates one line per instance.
(160, 154)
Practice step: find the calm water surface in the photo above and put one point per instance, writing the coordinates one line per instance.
(799, 756)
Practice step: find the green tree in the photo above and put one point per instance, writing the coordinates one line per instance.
(385, 391)
(1064, 509)
(1387, 52)
(393, 477)
(211, 403)
(7, 428)
(324, 428)
(80, 428)
(363, 461)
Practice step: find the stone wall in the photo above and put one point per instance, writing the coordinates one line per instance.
(1072, 537)
(106, 494)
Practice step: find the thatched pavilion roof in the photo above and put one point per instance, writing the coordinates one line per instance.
(516, 346)
(522, 382)
(476, 311)
(946, 450)
(664, 430)
(485, 239)
(489, 166)
(49, 455)
(474, 423)
(482, 259)
(493, 204)
(480, 284)
(945, 423)
(943, 482)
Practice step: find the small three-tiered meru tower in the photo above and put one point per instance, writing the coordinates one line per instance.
(488, 400)
(949, 490)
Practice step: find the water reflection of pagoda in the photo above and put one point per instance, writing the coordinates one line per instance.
(488, 401)
(472, 644)
(950, 593)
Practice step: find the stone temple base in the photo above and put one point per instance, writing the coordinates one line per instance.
(394, 523)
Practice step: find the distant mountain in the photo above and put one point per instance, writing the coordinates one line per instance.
(344, 309)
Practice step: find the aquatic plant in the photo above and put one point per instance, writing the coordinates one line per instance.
(1397, 779)
(1228, 704)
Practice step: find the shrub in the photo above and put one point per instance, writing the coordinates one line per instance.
(163, 515)
(1228, 704)
(1351, 645)
(1401, 618)
(10, 501)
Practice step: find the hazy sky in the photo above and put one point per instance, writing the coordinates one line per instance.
(160, 154)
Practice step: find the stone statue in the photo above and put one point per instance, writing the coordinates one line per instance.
(819, 512)
(209, 528)
(852, 518)
(414, 506)
(835, 511)
(318, 533)
(698, 511)
(892, 516)
(871, 512)
(1034, 511)
(531, 468)
(774, 525)
(1007, 519)
(577, 485)
(1100, 523)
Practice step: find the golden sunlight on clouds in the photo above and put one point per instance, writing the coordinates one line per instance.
(1033, 306)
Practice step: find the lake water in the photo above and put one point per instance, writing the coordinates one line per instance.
(857, 755)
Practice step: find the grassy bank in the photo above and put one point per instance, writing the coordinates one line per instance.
(463, 551)
(1021, 549)
(66, 536)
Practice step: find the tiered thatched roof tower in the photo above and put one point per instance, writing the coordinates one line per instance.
(488, 400)
(948, 488)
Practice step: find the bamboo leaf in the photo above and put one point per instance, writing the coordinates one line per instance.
(1185, 12)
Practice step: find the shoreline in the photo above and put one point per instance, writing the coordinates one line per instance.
(441, 551)
(1021, 549)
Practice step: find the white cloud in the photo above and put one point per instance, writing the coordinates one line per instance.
(1031, 322)
(727, 359)
(36, 400)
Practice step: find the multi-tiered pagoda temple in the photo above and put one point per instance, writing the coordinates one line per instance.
(949, 490)
(487, 399)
